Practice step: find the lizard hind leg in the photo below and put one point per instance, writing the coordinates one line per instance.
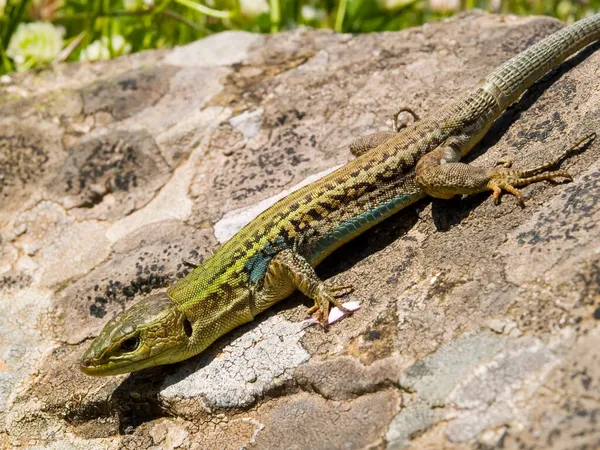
(440, 174)
(299, 273)
(366, 143)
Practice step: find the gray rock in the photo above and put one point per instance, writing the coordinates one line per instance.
(477, 323)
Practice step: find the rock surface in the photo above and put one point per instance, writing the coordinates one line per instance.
(479, 324)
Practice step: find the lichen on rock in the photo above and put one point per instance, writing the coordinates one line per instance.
(478, 323)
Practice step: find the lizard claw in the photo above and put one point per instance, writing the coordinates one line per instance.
(336, 313)
(328, 296)
(498, 186)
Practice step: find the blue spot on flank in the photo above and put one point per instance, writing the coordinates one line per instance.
(257, 264)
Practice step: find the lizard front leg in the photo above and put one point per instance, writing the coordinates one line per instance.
(440, 174)
(289, 271)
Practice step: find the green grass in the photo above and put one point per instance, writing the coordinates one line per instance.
(148, 24)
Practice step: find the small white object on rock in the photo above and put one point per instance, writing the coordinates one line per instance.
(336, 313)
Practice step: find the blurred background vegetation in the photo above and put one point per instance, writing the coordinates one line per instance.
(38, 32)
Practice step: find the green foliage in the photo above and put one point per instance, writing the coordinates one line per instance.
(101, 29)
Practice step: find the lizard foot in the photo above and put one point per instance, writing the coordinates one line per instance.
(326, 296)
(509, 180)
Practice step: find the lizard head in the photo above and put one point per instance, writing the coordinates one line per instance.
(150, 333)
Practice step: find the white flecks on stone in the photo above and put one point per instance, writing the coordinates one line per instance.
(515, 333)
(265, 354)
(235, 220)
(16, 90)
(221, 49)
(83, 125)
(336, 313)
(310, 322)
(248, 123)
(495, 393)
(20, 229)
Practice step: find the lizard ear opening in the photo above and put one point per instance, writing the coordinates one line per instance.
(187, 327)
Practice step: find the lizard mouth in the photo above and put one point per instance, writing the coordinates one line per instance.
(87, 366)
(92, 364)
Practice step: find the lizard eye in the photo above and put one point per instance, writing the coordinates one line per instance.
(130, 344)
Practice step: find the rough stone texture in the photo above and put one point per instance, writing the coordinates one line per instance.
(479, 324)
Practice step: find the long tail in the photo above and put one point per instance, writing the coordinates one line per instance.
(508, 81)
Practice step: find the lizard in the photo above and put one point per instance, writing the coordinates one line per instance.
(277, 252)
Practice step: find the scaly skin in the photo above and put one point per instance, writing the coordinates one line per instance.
(276, 253)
